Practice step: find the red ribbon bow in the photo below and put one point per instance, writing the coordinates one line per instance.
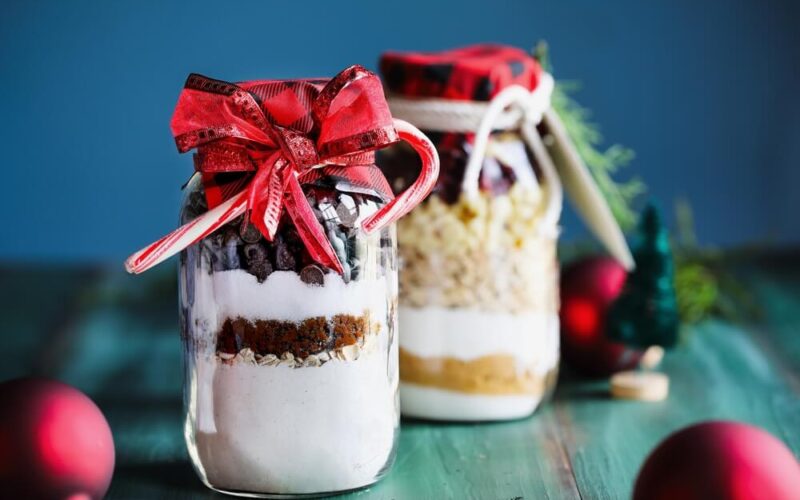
(288, 133)
(257, 142)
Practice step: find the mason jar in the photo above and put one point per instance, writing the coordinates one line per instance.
(478, 308)
(291, 369)
(288, 281)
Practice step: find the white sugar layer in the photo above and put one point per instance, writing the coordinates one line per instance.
(466, 334)
(440, 404)
(299, 430)
(283, 296)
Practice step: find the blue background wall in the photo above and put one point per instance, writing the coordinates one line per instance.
(705, 92)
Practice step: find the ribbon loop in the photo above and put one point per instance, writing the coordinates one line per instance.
(323, 102)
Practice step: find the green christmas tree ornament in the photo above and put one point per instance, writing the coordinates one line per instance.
(646, 313)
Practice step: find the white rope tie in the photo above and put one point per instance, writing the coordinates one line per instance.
(514, 108)
(448, 115)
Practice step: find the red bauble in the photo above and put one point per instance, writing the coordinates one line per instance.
(588, 288)
(727, 460)
(54, 442)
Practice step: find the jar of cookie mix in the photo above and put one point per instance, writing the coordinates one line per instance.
(479, 273)
(288, 282)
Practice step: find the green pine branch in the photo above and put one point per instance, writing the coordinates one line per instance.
(603, 164)
(704, 284)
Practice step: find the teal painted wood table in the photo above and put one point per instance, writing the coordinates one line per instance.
(115, 337)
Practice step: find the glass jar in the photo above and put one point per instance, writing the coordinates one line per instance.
(291, 369)
(288, 281)
(479, 274)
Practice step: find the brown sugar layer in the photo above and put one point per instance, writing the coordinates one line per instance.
(495, 374)
(310, 336)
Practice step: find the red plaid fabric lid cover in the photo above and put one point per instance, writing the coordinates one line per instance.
(474, 73)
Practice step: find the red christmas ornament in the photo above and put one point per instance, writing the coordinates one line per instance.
(727, 460)
(54, 442)
(588, 288)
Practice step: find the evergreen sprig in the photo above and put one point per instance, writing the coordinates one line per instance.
(603, 164)
(704, 284)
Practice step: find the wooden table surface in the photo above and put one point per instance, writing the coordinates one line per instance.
(115, 337)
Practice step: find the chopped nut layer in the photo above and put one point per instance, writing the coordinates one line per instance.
(485, 252)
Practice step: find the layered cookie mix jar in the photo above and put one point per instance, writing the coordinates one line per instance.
(479, 272)
(478, 289)
(288, 282)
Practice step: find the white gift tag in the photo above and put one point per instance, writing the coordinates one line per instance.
(584, 193)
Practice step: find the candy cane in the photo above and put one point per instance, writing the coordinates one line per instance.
(187, 234)
(411, 197)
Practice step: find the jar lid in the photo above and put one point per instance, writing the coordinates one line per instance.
(474, 73)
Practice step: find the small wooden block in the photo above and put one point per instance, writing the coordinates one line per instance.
(652, 357)
(642, 386)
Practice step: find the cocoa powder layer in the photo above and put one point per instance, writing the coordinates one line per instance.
(494, 374)
(310, 336)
